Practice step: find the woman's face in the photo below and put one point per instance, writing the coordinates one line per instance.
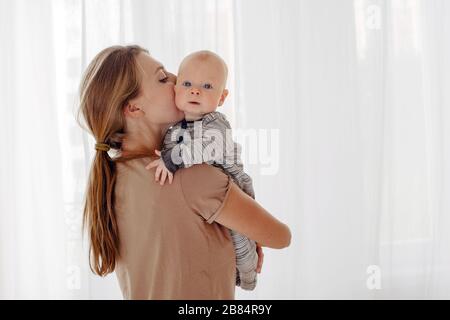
(157, 96)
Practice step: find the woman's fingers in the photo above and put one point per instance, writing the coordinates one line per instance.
(158, 153)
(170, 175)
(260, 258)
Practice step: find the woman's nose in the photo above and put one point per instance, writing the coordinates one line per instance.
(172, 78)
(195, 91)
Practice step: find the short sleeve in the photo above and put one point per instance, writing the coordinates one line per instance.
(205, 189)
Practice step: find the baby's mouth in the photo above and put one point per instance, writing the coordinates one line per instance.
(194, 102)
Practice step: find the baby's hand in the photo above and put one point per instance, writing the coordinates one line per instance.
(161, 172)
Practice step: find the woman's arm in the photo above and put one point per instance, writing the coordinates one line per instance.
(243, 214)
(212, 194)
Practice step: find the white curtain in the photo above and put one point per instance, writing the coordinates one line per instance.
(347, 102)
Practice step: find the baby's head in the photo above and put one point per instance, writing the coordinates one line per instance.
(201, 82)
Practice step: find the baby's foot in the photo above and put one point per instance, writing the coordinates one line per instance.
(248, 284)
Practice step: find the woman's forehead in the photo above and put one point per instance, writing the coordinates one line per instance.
(147, 64)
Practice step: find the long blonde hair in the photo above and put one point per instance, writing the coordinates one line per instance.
(109, 82)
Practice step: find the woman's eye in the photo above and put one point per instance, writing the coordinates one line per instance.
(187, 84)
(164, 79)
(207, 86)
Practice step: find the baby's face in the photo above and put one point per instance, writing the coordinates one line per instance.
(200, 87)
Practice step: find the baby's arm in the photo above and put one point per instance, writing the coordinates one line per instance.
(227, 152)
(215, 146)
(218, 145)
(165, 167)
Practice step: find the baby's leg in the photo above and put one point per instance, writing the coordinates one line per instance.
(246, 260)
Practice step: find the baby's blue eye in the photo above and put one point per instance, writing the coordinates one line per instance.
(207, 86)
(186, 84)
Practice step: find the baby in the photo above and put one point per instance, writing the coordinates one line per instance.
(204, 136)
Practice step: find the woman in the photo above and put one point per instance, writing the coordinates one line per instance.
(164, 242)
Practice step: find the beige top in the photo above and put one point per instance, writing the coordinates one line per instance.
(170, 246)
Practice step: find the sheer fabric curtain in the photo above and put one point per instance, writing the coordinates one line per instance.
(357, 89)
(346, 101)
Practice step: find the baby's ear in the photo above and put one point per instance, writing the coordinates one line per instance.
(224, 95)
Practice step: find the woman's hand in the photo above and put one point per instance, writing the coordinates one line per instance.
(161, 172)
(260, 257)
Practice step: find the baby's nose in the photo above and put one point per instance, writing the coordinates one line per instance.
(195, 91)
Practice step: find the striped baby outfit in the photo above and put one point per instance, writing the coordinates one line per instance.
(209, 140)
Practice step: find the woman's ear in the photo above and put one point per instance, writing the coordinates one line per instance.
(224, 95)
(132, 110)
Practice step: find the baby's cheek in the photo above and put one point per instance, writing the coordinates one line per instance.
(179, 99)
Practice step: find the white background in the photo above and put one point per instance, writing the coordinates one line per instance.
(358, 91)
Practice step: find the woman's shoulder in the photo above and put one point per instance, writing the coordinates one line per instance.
(131, 174)
(202, 188)
(205, 189)
(132, 167)
(203, 172)
(203, 179)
